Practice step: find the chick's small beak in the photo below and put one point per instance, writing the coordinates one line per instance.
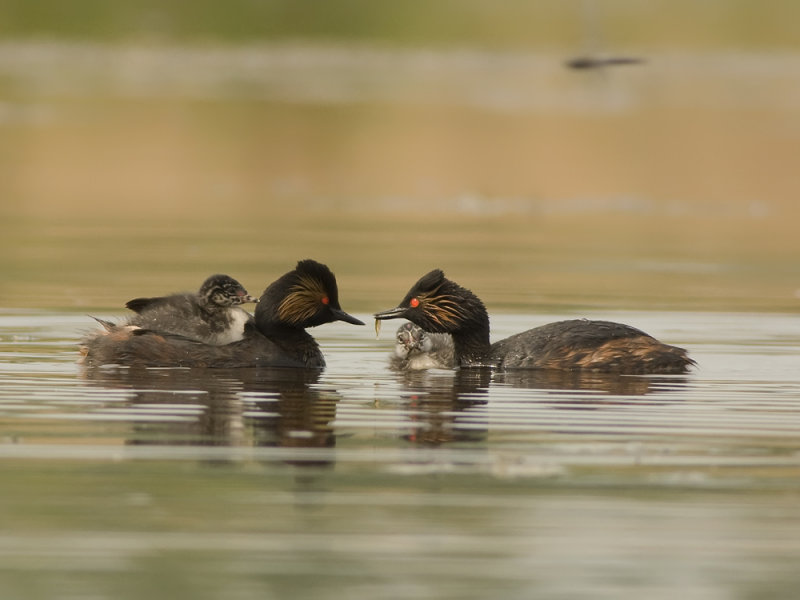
(242, 297)
(392, 313)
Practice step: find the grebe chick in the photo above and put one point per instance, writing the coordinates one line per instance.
(417, 350)
(439, 305)
(304, 297)
(212, 315)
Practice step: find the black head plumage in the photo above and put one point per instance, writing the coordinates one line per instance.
(438, 305)
(307, 296)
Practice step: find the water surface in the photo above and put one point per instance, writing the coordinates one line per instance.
(358, 481)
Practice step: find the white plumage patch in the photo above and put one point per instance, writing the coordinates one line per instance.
(235, 331)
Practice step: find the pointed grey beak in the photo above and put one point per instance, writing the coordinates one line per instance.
(343, 316)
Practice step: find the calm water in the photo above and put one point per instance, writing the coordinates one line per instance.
(359, 482)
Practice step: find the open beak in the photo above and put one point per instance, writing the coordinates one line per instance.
(392, 313)
(343, 316)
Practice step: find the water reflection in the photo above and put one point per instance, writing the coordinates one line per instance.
(291, 409)
(436, 402)
(609, 383)
(452, 407)
(225, 407)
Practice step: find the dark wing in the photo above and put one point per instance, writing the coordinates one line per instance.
(138, 305)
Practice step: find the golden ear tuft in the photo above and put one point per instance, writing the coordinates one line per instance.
(443, 309)
(303, 300)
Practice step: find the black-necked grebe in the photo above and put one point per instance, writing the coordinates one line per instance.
(212, 315)
(305, 297)
(439, 305)
(417, 350)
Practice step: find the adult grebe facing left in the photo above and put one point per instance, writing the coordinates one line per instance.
(439, 305)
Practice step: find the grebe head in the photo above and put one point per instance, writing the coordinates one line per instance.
(439, 305)
(305, 297)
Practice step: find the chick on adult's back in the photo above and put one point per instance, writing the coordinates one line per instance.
(212, 315)
(304, 297)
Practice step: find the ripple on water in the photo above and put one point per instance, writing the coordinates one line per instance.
(365, 479)
(358, 396)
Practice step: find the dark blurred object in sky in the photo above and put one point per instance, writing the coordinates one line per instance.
(592, 42)
(594, 62)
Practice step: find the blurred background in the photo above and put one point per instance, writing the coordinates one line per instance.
(145, 145)
(627, 159)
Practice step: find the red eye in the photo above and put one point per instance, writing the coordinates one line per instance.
(414, 303)
(325, 300)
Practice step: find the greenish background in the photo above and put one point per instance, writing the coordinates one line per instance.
(514, 23)
(145, 145)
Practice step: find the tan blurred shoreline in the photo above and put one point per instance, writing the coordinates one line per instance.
(88, 125)
(670, 184)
